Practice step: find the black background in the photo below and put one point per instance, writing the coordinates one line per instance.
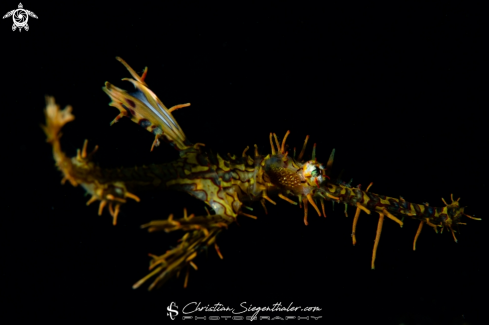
(399, 91)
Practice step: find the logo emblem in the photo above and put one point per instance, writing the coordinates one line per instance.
(171, 311)
(20, 17)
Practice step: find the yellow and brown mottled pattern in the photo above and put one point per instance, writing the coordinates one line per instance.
(443, 216)
(224, 184)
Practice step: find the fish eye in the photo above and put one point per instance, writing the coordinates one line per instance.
(315, 172)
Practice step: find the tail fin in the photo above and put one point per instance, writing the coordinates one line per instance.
(144, 108)
(55, 120)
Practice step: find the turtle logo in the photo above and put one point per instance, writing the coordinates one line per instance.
(20, 17)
